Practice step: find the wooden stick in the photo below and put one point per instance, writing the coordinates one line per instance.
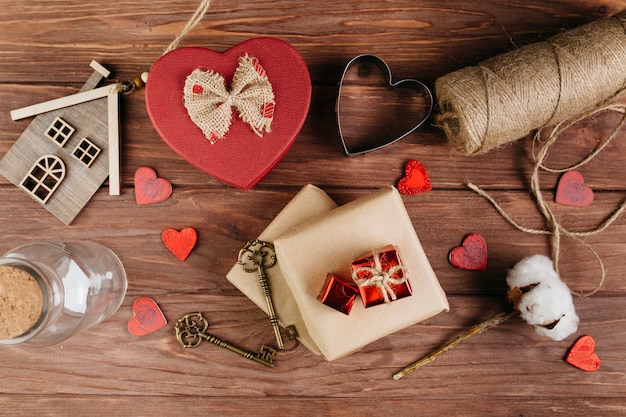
(115, 179)
(491, 322)
(62, 102)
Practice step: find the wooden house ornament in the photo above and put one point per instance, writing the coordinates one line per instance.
(69, 149)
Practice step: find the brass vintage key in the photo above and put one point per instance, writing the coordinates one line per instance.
(191, 330)
(257, 256)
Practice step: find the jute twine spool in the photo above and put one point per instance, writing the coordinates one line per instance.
(506, 97)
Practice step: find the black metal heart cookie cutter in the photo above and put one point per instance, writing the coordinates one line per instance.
(390, 84)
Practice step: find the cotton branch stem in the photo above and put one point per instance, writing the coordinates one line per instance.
(487, 324)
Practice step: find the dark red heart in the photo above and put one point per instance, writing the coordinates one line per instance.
(415, 180)
(472, 254)
(147, 317)
(374, 111)
(572, 191)
(150, 189)
(180, 243)
(241, 158)
(582, 355)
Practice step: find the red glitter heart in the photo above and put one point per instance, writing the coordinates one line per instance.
(147, 317)
(472, 254)
(415, 180)
(180, 243)
(150, 189)
(572, 191)
(581, 354)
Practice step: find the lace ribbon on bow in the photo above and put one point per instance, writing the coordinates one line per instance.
(381, 278)
(210, 103)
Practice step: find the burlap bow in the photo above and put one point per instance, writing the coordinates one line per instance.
(381, 278)
(210, 103)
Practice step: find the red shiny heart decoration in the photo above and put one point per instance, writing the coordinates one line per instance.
(147, 317)
(415, 180)
(582, 355)
(180, 243)
(150, 189)
(572, 191)
(241, 158)
(472, 254)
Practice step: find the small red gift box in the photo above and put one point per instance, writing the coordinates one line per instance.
(338, 294)
(381, 277)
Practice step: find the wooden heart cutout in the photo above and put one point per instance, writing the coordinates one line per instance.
(471, 255)
(240, 158)
(572, 191)
(147, 317)
(373, 111)
(150, 189)
(415, 180)
(582, 355)
(180, 243)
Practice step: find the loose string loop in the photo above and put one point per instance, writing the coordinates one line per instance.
(554, 227)
(193, 22)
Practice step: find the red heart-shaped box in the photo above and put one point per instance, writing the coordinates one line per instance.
(240, 158)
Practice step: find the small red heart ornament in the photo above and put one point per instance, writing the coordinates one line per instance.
(147, 317)
(572, 191)
(582, 355)
(471, 255)
(415, 180)
(180, 243)
(241, 158)
(150, 189)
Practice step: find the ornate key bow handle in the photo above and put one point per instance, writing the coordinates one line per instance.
(210, 103)
(189, 329)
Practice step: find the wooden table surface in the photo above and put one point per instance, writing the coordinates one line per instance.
(45, 49)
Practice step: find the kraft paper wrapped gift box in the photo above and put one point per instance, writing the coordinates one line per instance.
(309, 203)
(312, 238)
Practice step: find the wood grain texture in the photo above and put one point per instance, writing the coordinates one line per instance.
(45, 51)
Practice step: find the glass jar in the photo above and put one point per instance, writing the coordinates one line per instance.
(66, 287)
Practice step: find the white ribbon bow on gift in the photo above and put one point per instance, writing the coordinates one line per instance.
(210, 103)
(381, 278)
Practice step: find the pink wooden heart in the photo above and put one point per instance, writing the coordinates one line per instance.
(572, 191)
(180, 243)
(472, 254)
(147, 317)
(582, 355)
(415, 180)
(240, 158)
(150, 189)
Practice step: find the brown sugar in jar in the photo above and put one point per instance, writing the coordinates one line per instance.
(21, 302)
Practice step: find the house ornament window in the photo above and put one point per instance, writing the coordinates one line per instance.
(86, 152)
(59, 131)
(44, 178)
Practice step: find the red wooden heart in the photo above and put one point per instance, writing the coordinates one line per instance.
(582, 355)
(241, 158)
(180, 243)
(472, 254)
(572, 191)
(415, 180)
(149, 188)
(147, 317)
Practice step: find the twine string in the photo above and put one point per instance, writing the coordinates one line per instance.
(554, 227)
(191, 23)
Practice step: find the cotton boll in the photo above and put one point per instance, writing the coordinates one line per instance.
(542, 299)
